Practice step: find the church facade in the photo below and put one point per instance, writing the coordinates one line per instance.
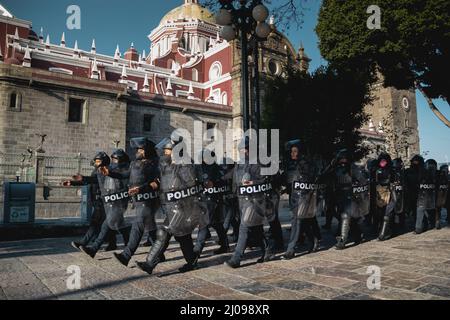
(84, 101)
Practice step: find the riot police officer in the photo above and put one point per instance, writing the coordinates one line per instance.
(255, 205)
(212, 201)
(115, 200)
(230, 203)
(351, 187)
(426, 200)
(301, 180)
(143, 178)
(275, 229)
(412, 185)
(398, 187)
(98, 213)
(179, 196)
(442, 193)
(371, 167)
(385, 197)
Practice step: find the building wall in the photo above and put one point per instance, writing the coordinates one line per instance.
(45, 111)
(165, 121)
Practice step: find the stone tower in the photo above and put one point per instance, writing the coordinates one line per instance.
(393, 120)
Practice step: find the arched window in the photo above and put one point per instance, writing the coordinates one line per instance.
(225, 98)
(194, 75)
(215, 71)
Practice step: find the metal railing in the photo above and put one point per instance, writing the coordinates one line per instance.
(55, 168)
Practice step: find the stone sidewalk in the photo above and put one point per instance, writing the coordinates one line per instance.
(412, 267)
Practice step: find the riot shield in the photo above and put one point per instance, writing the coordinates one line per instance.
(360, 192)
(115, 198)
(398, 190)
(252, 191)
(180, 199)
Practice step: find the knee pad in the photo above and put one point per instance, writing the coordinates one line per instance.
(161, 233)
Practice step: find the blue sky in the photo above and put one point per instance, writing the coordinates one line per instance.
(113, 22)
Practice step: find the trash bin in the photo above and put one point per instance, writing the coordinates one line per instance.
(19, 202)
(86, 203)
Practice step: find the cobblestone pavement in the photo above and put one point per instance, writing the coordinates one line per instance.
(412, 267)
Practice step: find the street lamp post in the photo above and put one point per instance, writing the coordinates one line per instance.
(246, 20)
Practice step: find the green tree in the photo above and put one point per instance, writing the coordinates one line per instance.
(412, 48)
(320, 109)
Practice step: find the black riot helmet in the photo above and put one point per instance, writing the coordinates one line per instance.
(343, 156)
(417, 161)
(384, 160)
(444, 168)
(431, 165)
(103, 157)
(397, 164)
(121, 156)
(145, 144)
(293, 143)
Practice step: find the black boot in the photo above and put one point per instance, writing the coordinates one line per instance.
(191, 257)
(89, 251)
(345, 228)
(385, 232)
(289, 255)
(122, 259)
(76, 245)
(315, 246)
(112, 242)
(156, 254)
(232, 264)
(438, 219)
(111, 247)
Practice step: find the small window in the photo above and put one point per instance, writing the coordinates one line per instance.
(148, 118)
(13, 100)
(76, 110)
(406, 123)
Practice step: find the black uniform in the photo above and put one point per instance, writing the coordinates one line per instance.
(352, 196)
(385, 197)
(442, 193)
(275, 230)
(212, 201)
(179, 195)
(230, 203)
(398, 187)
(114, 194)
(301, 180)
(143, 171)
(255, 206)
(98, 212)
(426, 199)
(412, 186)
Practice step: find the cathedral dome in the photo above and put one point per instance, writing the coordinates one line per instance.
(189, 10)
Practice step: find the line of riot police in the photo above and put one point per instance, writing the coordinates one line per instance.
(203, 196)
